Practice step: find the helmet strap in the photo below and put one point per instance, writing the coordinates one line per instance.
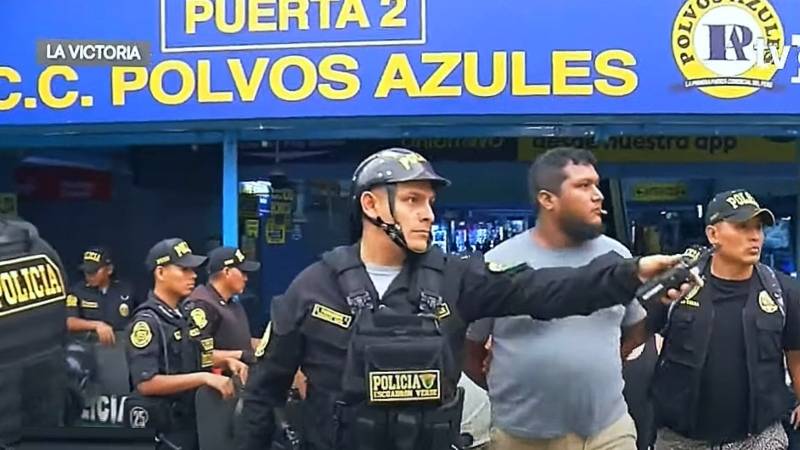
(392, 230)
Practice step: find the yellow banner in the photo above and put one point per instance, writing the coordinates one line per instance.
(668, 149)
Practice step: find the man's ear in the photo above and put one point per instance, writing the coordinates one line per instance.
(546, 199)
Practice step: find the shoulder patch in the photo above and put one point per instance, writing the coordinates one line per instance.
(262, 345)
(141, 335)
(199, 317)
(496, 267)
(72, 301)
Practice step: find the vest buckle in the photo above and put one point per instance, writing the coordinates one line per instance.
(359, 300)
(429, 301)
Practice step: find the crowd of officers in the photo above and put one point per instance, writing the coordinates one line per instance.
(378, 328)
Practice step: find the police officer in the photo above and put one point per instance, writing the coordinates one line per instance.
(378, 327)
(167, 357)
(213, 308)
(32, 332)
(100, 303)
(720, 378)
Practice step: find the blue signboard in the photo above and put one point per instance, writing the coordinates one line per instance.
(100, 61)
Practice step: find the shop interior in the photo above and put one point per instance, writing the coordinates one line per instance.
(293, 202)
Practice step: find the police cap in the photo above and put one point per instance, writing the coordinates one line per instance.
(94, 258)
(173, 251)
(737, 206)
(223, 257)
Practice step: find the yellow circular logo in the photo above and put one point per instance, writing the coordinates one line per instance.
(766, 303)
(199, 317)
(124, 310)
(727, 50)
(141, 334)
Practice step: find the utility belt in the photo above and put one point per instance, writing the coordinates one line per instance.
(376, 427)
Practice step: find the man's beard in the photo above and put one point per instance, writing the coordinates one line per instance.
(579, 231)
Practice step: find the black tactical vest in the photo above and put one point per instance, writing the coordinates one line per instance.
(677, 379)
(399, 387)
(32, 332)
(182, 350)
(32, 293)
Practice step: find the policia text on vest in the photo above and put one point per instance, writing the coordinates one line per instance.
(29, 282)
(32, 332)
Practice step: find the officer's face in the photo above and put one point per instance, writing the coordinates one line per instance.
(737, 242)
(236, 280)
(99, 278)
(178, 280)
(413, 211)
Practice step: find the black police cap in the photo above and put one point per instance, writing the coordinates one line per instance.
(173, 251)
(229, 257)
(94, 258)
(736, 206)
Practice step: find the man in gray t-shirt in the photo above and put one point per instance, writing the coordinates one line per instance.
(558, 384)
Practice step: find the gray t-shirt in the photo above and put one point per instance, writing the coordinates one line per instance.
(382, 276)
(551, 378)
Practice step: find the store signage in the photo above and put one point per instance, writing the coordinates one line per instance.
(669, 149)
(63, 183)
(659, 192)
(175, 60)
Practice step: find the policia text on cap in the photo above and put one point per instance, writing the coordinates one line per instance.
(378, 327)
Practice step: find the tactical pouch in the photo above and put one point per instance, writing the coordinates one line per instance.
(395, 359)
(154, 413)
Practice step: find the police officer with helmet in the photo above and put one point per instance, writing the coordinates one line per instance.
(168, 358)
(32, 332)
(378, 327)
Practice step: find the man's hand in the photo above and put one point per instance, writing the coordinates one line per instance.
(652, 266)
(238, 368)
(796, 418)
(221, 384)
(104, 333)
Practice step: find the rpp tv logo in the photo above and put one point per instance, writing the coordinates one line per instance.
(730, 48)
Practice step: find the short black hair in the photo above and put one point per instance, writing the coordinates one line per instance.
(547, 170)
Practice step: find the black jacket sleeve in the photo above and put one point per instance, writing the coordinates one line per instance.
(791, 303)
(279, 356)
(544, 294)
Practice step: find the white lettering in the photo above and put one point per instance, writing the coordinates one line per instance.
(102, 409)
(107, 409)
(57, 53)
